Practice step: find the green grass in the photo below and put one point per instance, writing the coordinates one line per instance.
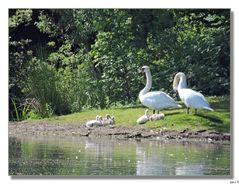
(175, 119)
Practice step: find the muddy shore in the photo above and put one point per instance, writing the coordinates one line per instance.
(116, 131)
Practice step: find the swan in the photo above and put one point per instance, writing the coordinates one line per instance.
(191, 98)
(97, 122)
(155, 100)
(143, 119)
(155, 117)
(108, 120)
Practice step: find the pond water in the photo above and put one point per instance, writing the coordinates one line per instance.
(104, 157)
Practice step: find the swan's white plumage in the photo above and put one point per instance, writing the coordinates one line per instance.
(191, 98)
(155, 99)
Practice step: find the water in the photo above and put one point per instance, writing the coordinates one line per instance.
(101, 156)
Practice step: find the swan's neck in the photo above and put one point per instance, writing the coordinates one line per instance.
(182, 83)
(148, 83)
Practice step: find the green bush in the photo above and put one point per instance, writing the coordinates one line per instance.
(84, 58)
(58, 91)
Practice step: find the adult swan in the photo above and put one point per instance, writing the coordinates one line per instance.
(191, 98)
(155, 100)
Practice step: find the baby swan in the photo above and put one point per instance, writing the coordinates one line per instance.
(108, 120)
(155, 117)
(143, 119)
(97, 122)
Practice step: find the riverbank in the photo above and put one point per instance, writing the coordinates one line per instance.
(203, 126)
(116, 131)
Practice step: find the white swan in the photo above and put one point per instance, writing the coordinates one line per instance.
(191, 98)
(143, 119)
(155, 100)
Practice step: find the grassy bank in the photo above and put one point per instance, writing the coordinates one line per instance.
(175, 119)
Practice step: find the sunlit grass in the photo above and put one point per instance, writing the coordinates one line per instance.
(175, 119)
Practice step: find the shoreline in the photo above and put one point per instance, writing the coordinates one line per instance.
(16, 129)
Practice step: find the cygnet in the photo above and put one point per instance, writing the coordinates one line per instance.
(143, 119)
(155, 117)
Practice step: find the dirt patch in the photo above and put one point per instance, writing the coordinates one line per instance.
(117, 131)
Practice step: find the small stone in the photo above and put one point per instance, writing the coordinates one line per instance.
(209, 140)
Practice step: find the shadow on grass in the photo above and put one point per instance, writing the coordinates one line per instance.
(216, 123)
(211, 118)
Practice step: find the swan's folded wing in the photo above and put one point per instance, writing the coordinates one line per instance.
(193, 99)
(158, 100)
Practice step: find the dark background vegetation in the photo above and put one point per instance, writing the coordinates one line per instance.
(64, 60)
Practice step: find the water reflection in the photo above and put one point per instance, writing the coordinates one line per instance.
(101, 156)
(182, 159)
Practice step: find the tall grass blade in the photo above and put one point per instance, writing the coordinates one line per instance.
(15, 109)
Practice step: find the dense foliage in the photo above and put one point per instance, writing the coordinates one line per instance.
(64, 60)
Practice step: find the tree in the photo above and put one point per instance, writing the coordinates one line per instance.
(89, 58)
